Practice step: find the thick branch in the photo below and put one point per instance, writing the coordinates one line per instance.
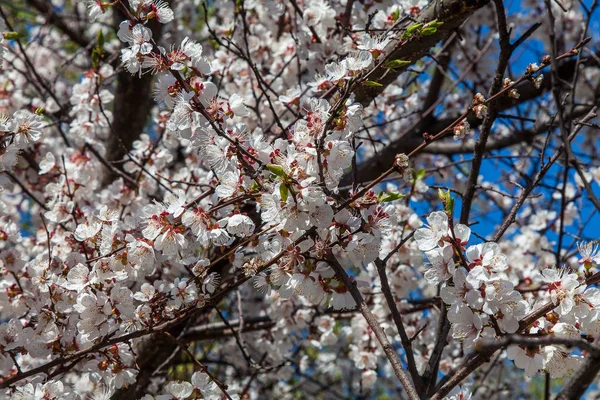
(582, 379)
(133, 103)
(452, 13)
(371, 168)
(152, 351)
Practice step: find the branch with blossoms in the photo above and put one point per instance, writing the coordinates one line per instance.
(184, 213)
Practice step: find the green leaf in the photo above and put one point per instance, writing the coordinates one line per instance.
(411, 30)
(447, 201)
(396, 64)
(95, 58)
(420, 174)
(284, 192)
(98, 51)
(100, 39)
(386, 197)
(254, 187)
(434, 24)
(449, 204)
(428, 31)
(277, 170)
(13, 35)
(373, 84)
(441, 195)
(431, 27)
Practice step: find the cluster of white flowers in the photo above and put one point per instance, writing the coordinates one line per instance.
(484, 304)
(17, 132)
(91, 116)
(199, 385)
(241, 175)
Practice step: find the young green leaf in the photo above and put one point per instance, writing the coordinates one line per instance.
(411, 30)
(276, 169)
(428, 31)
(284, 192)
(431, 27)
(100, 39)
(434, 24)
(254, 187)
(95, 58)
(420, 174)
(12, 35)
(396, 64)
(373, 84)
(447, 201)
(441, 195)
(389, 196)
(449, 204)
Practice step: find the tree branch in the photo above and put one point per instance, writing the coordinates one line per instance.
(376, 328)
(408, 141)
(45, 9)
(452, 13)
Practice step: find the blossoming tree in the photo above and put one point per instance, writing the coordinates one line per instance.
(299, 199)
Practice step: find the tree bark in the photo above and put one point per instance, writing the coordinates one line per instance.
(133, 102)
